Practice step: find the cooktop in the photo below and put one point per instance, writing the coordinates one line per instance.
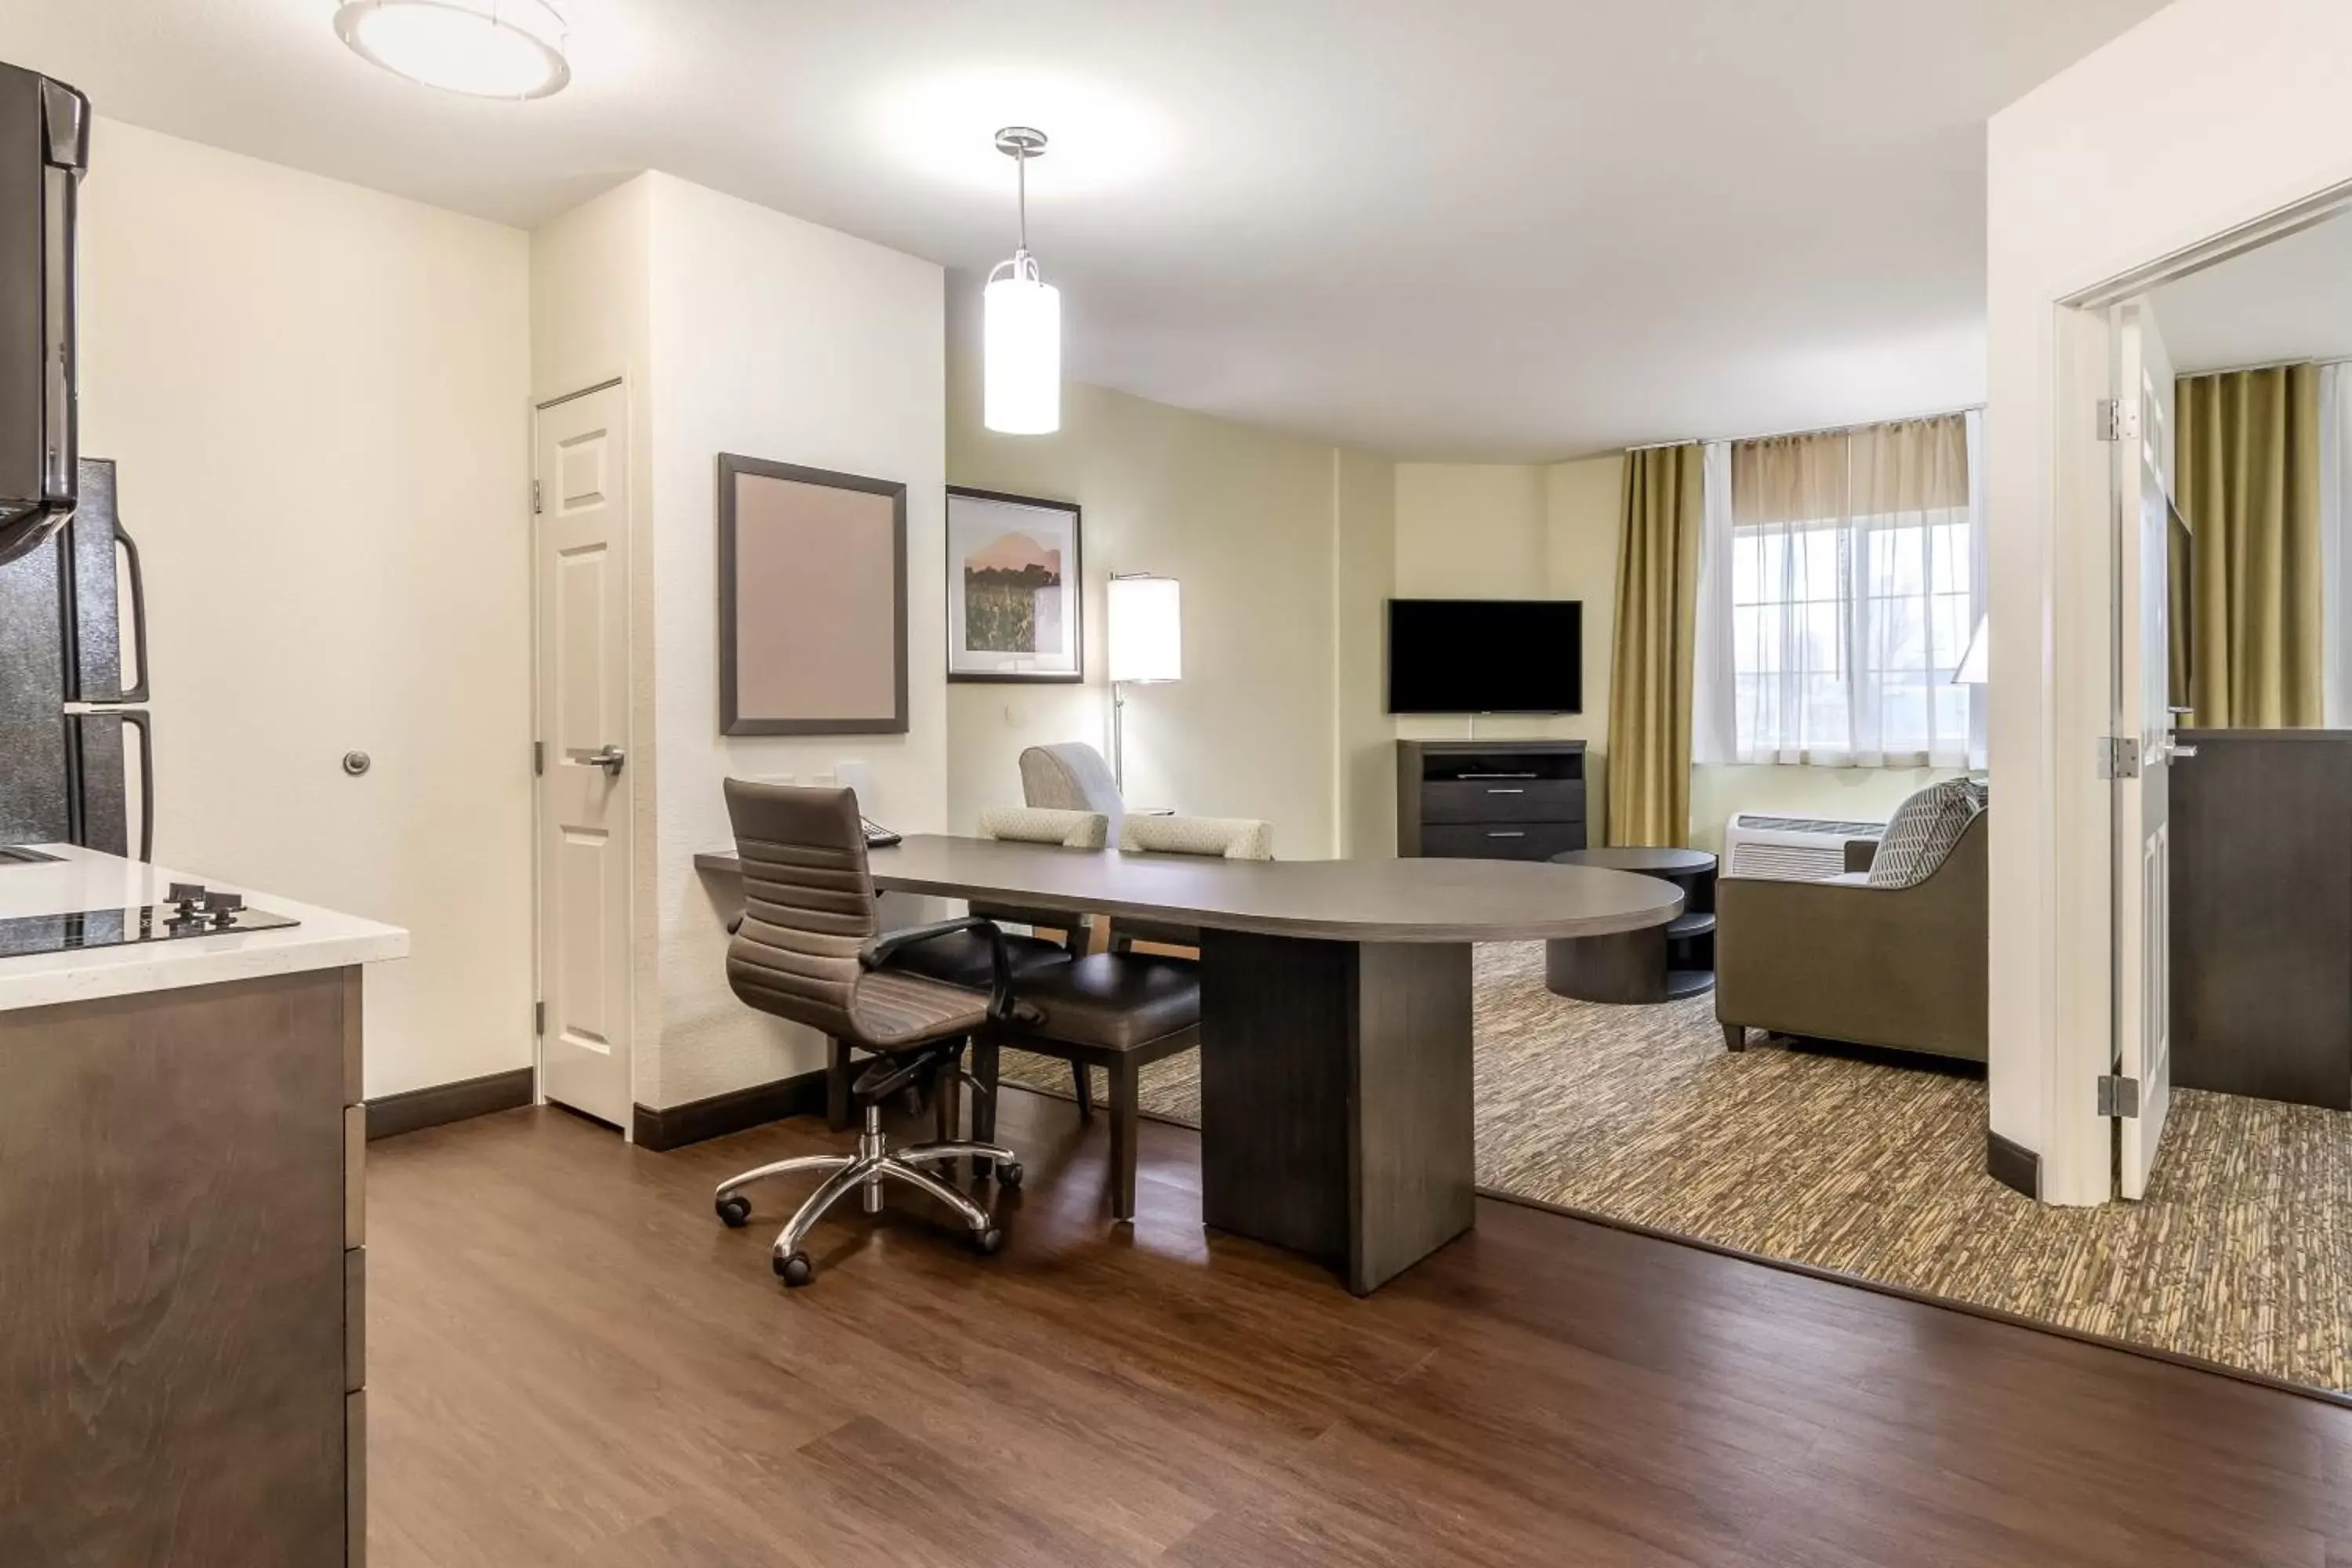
(192, 910)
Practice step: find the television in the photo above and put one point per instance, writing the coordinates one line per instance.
(1485, 655)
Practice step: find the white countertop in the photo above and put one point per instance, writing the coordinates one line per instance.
(84, 879)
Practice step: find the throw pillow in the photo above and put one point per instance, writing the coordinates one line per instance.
(1924, 828)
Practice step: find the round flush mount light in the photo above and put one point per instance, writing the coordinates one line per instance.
(486, 48)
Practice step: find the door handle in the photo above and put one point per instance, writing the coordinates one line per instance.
(610, 759)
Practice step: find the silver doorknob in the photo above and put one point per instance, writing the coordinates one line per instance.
(609, 759)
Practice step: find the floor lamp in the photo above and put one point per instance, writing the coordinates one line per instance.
(1146, 646)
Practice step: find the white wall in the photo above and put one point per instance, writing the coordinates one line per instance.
(1244, 519)
(2208, 115)
(1364, 782)
(318, 396)
(773, 338)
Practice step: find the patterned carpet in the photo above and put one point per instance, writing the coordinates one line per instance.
(2241, 1253)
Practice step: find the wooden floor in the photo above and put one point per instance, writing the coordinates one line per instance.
(571, 1361)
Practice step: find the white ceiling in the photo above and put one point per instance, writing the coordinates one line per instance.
(2289, 300)
(1471, 229)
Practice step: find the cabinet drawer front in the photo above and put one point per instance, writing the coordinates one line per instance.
(1503, 800)
(1526, 841)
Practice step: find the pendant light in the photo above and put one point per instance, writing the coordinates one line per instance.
(484, 49)
(1020, 322)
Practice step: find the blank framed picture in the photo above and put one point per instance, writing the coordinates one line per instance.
(812, 601)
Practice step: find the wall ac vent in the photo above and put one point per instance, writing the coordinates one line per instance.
(1790, 849)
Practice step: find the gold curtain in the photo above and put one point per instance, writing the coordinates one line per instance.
(2246, 472)
(1661, 517)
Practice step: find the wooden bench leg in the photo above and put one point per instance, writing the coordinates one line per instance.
(1122, 1139)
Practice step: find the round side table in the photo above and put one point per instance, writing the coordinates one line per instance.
(1658, 964)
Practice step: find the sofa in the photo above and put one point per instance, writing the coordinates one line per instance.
(1898, 967)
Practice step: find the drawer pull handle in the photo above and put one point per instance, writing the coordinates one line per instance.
(1507, 792)
(1507, 835)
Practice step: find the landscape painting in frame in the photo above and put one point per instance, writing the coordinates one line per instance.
(1015, 584)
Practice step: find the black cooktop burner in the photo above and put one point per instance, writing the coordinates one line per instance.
(117, 928)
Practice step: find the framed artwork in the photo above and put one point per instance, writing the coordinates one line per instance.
(812, 601)
(1016, 587)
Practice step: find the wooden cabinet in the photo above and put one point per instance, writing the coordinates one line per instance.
(1490, 800)
(184, 1296)
(2262, 914)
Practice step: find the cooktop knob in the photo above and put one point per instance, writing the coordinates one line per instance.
(223, 907)
(187, 893)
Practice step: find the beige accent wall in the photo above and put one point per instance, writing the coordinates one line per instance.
(318, 397)
(1509, 530)
(1364, 532)
(1250, 522)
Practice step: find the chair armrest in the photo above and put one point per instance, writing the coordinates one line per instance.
(1861, 853)
(877, 954)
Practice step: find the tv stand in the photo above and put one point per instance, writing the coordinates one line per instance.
(1490, 800)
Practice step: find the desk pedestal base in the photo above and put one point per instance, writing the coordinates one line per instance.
(1335, 1114)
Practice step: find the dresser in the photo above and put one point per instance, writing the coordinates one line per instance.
(1490, 800)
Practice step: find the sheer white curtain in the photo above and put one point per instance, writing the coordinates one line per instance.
(1841, 574)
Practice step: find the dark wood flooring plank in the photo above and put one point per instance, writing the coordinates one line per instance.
(573, 1363)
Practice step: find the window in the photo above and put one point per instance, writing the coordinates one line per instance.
(1854, 580)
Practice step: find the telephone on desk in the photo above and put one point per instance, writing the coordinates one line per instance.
(877, 836)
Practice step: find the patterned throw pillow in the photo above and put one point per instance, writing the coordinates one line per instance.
(1924, 828)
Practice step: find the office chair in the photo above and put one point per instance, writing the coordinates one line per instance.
(809, 948)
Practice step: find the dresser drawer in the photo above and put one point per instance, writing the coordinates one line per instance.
(1503, 800)
(1502, 841)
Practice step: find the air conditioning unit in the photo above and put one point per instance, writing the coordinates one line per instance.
(1790, 849)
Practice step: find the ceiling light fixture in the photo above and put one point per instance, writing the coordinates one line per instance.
(1020, 322)
(486, 49)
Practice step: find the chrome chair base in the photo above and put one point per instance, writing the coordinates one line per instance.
(865, 1172)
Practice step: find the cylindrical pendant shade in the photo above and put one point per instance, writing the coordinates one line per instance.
(1020, 344)
(1147, 629)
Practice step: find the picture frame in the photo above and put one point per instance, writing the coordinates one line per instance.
(812, 601)
(1015, 588)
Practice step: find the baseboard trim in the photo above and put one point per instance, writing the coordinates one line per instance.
(2012, 1165)
(675, 1126)
(439, 1103)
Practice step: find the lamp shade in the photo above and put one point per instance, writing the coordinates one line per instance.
(1147, 629)
(1021, 350)
(1975, 669)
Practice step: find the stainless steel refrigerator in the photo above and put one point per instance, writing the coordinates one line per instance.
(76, 762)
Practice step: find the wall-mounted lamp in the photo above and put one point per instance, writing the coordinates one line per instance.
(1146, 646)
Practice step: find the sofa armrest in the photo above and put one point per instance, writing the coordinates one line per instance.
(1861, 853)
(1885, 966)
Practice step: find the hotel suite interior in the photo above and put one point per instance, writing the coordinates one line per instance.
(1253, 783)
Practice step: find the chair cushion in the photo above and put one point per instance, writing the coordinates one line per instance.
(962, 958)
(892, 1010)
(1923, 832)
(1114, 1000)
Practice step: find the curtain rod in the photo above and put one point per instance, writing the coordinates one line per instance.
(1817, 431)
(2265, 364)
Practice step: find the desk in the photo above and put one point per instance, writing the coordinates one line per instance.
(1335, 1016)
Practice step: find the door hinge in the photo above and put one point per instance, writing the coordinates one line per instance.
(535, 506)
(2110, 420)
(2118, 756)
(2118, 1096)
(538, 757)
(539, 1018)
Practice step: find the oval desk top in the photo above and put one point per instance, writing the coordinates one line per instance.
(1339, 900)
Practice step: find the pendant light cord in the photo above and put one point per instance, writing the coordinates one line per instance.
(1021, 170)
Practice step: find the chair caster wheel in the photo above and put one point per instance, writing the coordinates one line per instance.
(734, 1210)
(988, 1242)
(796, 1270)
(1008, 1175)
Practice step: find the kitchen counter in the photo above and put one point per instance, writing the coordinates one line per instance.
(86, 880)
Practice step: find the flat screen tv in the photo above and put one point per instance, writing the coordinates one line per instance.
(1485, 655)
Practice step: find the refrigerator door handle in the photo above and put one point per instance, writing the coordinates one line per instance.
(129, 548)
(137, 719)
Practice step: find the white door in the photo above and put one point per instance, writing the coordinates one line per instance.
(581, 464)
(2143, 861)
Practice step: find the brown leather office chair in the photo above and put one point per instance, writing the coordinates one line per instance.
(809, 948)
